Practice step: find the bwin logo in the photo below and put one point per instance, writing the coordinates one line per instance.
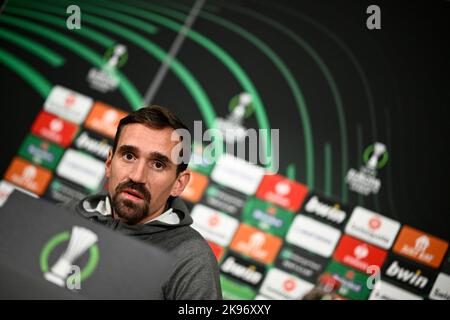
(406, 276)
(246, 273)
(98, 147)
(323, 210)
(80, 241)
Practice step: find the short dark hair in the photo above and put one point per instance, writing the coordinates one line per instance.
(155, 117)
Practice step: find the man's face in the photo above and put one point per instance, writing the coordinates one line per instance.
(142, 174)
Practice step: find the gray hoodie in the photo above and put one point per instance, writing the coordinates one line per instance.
(196, 273)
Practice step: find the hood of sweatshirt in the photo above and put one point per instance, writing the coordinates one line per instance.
(177, 205)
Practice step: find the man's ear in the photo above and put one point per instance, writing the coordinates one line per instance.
(181, 183)
(108, 164)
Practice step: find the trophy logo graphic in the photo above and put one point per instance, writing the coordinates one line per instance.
(365, 180)
(232, 127)
(379, 149)
(106, 79)
(117, 56)
(80, 241)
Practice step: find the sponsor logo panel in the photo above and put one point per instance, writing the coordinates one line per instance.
(54, 129)
(256, 244)
(232, 290)
(104, 119)
(312, 235)
(237, 268)
(62, 191)
(281, 285)
(93, 143)
(283, 192)
(408, 275)
(82, 169)
(326, 210)
(237, 174)
(358, 254)
(420, 246)
(441, 288)
(224, 199)
(353, 283)
(214, 225)
(41, 152)
(267, 217)
(28, 176)
(302, 263)
(67, 104)
(372, 227)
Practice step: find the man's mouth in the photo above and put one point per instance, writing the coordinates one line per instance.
(132, 194)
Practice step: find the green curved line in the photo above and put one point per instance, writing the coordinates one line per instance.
(85, 32)
(139, 24)
(128, 90)
(352, 58)
(48, 55)
(292, 83)
(326, 73)
(185, 76)
(359, 138)
(49, 246)
(232, 65)
(182, 72)
(30, 75)
(327, 169)
(349, 53)
(290, 171)
(144, 26)
(389, 183)
(299, 98)
(288, 76)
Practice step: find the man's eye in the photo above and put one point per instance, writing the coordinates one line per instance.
(128, 156)
(158, 165)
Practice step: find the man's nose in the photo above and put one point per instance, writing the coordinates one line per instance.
(139, 172)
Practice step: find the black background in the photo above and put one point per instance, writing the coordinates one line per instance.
(406, 64)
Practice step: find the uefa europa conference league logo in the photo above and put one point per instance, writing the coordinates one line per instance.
(106, 79)
(64, 272)
(365, 180)
(232, 128)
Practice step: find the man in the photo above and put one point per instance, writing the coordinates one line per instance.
(144, 183)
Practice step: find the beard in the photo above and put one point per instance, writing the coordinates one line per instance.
(129, 211)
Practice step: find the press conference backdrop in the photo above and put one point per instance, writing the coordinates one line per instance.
(359, 113)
